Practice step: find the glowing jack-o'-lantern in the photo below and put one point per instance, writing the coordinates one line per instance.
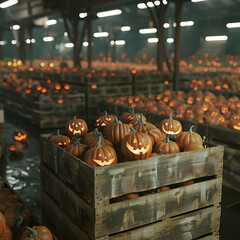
(20, 135)
(166, 146)
(16, 147)
(170, 126)
(101, 155)
(103, 121)
(136, 145)
(76, 128)
(60, 140)
(236, 124)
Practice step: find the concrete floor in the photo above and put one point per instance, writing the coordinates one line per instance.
(23, 174)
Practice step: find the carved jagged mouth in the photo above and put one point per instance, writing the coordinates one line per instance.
(104, 163)
(139, 150)
(236, 127)
(172, 132)
(74, 131)
(20, 138)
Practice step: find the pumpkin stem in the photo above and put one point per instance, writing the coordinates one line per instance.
(96, 133)
(116, 120)
(136, 117)
(170, 116)
(58, 134)
(133, 130)
(204, 138)
(99, 142)
(160, 152)
(32, 233)
(190, 130)
(142, 122)
(131, 110)
(167, 140)
(75, 117)
(105, 112)
(19, 221)
(77, 143)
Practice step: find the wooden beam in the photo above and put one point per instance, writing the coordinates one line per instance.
(89, 24)
(30, 46)
(177, 44)
(22, 45)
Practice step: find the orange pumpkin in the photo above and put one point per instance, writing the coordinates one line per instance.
(166, 146)
(170, 126)
(36, 233)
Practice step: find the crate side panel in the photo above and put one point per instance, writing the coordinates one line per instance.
(136, 212)
(138, 176)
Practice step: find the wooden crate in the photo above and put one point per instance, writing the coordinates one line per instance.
(230, 139)
(78, 198)
(2, 134)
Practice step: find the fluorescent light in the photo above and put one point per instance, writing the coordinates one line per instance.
(147, 30)
(8, 3)
(141, 6)
(150, 4)
(14, 42)
(120, 42)
(28, 41)
(125, 28)
(233, 25)
(174, 24)
(15, 27)
(170, 40)
(194, 1)
(165, 2)
(69, 45)
(48, 39)
(109, 13)
(83, 14)
(85, 44)
(65, 34)
(186, 23)
(166, 25)
(51, 22)
(152, 40)
(2, 43)
(101, 34)
(216, 38)
(157, 3)
(112, 42)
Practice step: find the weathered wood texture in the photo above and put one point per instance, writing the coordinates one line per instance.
(82, 192)
(2, 134)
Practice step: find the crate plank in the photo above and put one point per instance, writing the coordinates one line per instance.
(123, 178)
(187, 226)
(154, 207)
(68, 201)
(59, 222)
(210, 237)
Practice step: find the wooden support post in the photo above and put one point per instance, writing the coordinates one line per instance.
(22, 45)
(1, 47)
(89, 24)
(86, 98)
(75, 42)
(30, 46)
(177, 45)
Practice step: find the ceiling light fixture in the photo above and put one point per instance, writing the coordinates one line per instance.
(101, 34)
(152, 40)
(147, 30)
(216, 38)
(233, 25)
(48, 39)
(109, 13)
(51, 22)
(125, 28)
(8, 3)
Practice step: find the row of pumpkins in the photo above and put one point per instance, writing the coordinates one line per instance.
(50, 87)
(132, 138)
(204, 107)
(15, 219)
(220, 83)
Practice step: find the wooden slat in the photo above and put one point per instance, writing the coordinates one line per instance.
(138, 176)
(133, 213)
(71, 170)
(68, 201)
(56, 220)
(187, 226)
(210, 237)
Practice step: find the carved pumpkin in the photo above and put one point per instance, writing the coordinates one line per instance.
(143, 126)
(235, 124)
(170, 126)
(77, 149)
(127, 117)
(193, 146)
(134, 122)
(16, 147)
(36, 233)
(76, 128)
(117, 132)
(188, 137)
(2, 224)
(7, 234)
(103, 121)
(136, 145)
(60, 140)
(20, 135)
(166, 146)
(101, 156)
(189, 114)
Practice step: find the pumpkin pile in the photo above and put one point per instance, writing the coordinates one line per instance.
(129, 139)
(204, 107)
(15, 219)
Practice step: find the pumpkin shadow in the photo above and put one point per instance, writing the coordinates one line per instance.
(16, 156)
